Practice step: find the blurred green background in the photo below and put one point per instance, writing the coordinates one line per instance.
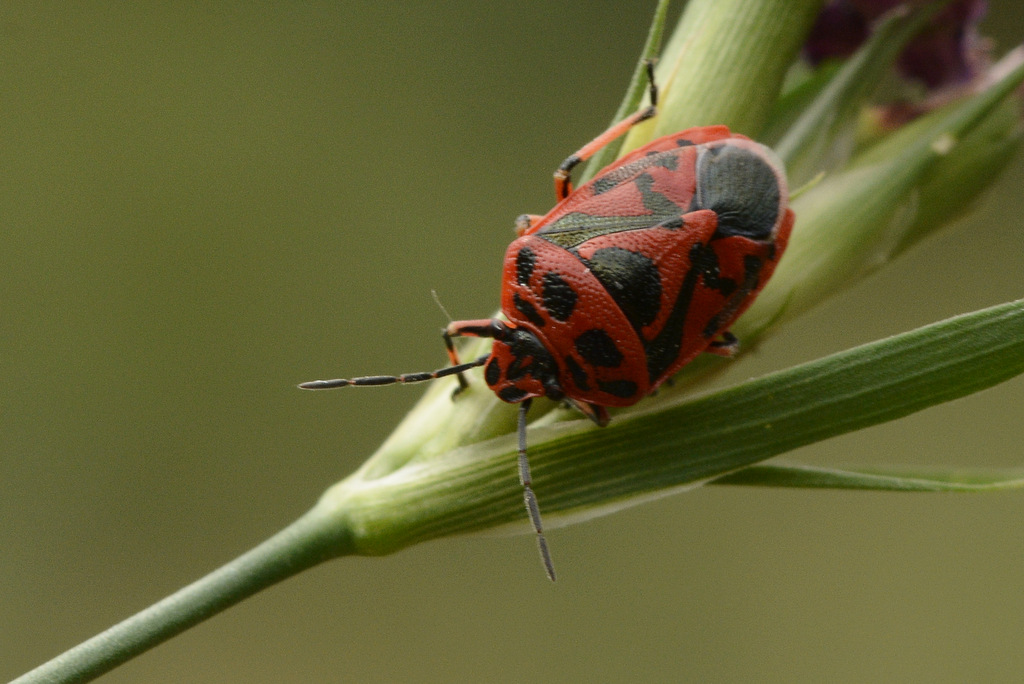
(204, 205)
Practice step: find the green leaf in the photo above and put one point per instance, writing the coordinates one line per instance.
(956, 181)
(579, 469)
(803, 86)
(915, 479)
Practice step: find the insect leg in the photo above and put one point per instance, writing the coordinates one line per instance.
(524, 222)
(482, 327)
(725, 345)
(598, 414)
(563, 181)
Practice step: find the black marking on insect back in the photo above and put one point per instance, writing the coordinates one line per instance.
(579, 376)
(619, 388)
(666, 160)
(527, 309)
(603, 184)
(741, 187)
(633, 281)
(558, 296)
(683, 142)
(598, 348)
(752, 266)
(628, 172)
(616, 177)
(705, 261)
(654, 201)
(669, 161)
(492, 373)
(511, 394)
(526, 260)
(664, 349)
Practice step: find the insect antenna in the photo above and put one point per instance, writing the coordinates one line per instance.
(373, 380)
(444, 310)
(529, 497)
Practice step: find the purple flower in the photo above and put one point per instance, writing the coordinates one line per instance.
(948, 51)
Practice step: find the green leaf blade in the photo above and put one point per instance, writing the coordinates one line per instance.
(918, 479)
(580, 470)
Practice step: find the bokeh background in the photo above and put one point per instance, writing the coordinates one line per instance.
(202, 205)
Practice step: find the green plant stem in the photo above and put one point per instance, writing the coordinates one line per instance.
(310, 540)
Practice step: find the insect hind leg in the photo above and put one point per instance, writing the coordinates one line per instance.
(563, 181)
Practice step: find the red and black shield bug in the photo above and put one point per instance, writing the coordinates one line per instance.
(628, 278)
